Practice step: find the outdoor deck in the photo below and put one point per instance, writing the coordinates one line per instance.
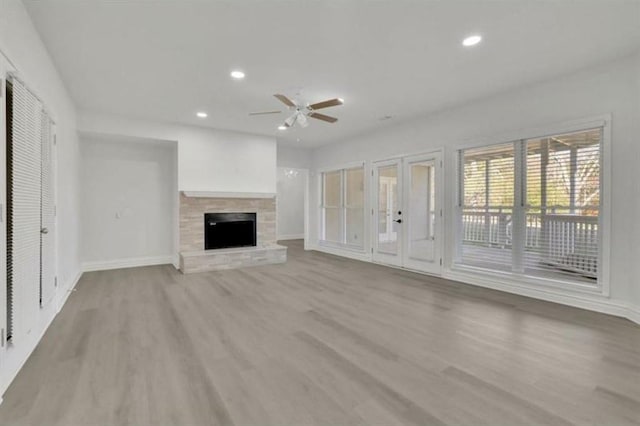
(553, 242)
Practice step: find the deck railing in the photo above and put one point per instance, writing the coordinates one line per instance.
(492, 227)
(572, 243)
(566, 241)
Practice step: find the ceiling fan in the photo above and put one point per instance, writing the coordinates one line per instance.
(301, 112)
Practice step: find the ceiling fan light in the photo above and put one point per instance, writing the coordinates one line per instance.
(302, 119)
(282, 127)
(472, 40)
(289, 122)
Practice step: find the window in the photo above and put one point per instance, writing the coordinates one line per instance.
(532, 207)
(489, 183)
(332, 206)
(343, 207)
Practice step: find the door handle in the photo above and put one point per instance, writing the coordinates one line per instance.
(44, 231)
(398, 221)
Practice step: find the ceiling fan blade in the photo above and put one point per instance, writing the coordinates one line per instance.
(326, 104)
(288, 102)
(322, 117)
(265, 112)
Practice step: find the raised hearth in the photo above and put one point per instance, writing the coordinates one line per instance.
(231, 258)
(259, 250)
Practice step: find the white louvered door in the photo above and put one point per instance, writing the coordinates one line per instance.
(24, 212)
(3, 214)
(48, 221)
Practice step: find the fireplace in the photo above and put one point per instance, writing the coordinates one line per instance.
(225, 230)
(257, 238)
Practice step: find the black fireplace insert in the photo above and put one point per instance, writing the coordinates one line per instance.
(225, 230)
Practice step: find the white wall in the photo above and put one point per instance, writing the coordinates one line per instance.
(290, 201)
(290, 156)
(610, 88)
(22, 45)
(128, 198)
(292, 180)
(635, 256)
(208, 159)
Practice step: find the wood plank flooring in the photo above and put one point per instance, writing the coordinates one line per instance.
(322, 340)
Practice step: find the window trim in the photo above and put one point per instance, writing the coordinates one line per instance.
(602, 286)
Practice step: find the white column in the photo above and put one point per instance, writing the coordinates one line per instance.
(573, 169)
(544, 164)
(487, 215)
(518, 219)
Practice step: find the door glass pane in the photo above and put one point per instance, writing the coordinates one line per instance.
(387, 209)
(421, 214)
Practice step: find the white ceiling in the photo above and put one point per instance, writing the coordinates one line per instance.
(167, 59)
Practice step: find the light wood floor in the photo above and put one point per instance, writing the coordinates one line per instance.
(322, 340)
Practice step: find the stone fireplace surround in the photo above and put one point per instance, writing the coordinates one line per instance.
(193, 257)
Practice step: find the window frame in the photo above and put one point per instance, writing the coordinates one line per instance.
(343, 207)
(602, 284)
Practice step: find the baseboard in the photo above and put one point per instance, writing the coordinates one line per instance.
(127, 263)
(633, 313)
(68, 291)
(291, 237)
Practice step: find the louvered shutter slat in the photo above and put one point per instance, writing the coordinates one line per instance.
(25, 193)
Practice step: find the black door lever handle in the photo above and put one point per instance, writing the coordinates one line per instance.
(398, 221)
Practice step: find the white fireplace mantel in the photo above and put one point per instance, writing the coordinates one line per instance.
(218, 194)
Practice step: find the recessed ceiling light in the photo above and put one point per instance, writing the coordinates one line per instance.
(472, 40)
(201, 114)
(282, 127)
(238, 75)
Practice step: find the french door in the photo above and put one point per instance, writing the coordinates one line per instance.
(387, 212)
(407, 212)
